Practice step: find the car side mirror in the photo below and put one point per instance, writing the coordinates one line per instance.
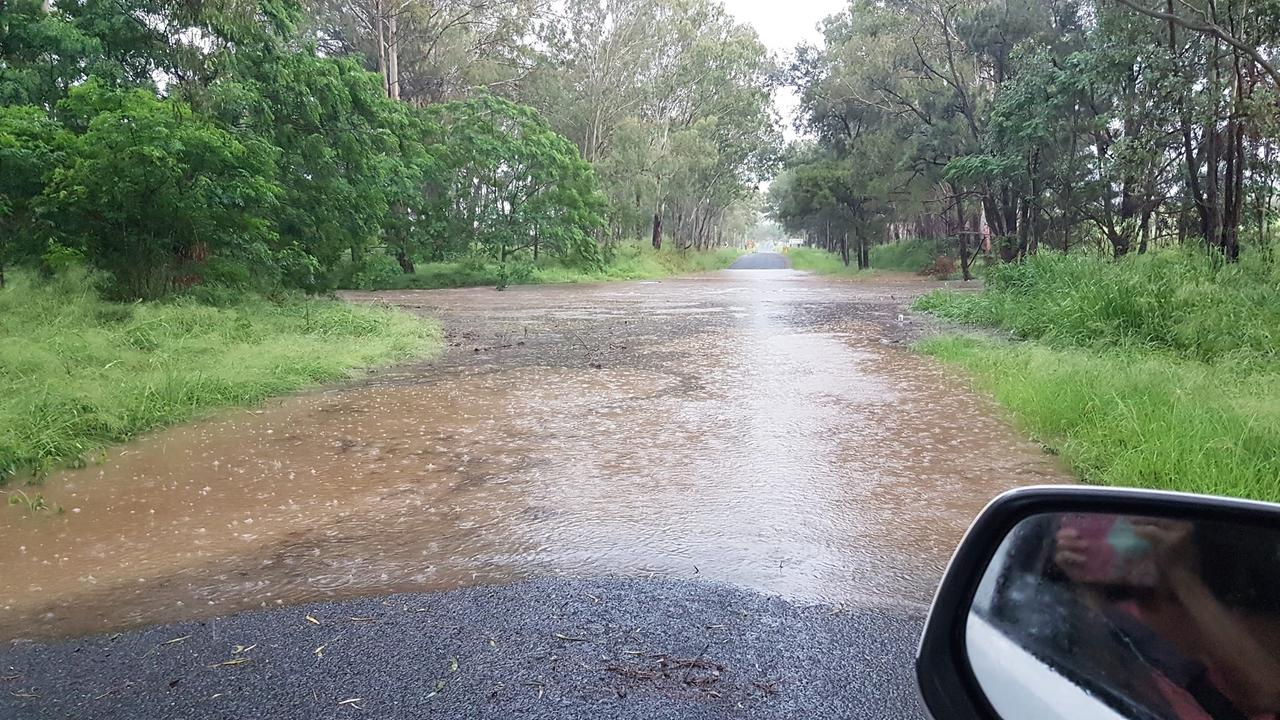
(1077, 602)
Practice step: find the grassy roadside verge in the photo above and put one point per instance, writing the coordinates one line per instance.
(1156, 372)
(915, 256)
(78, 373)
(821, 262)
(633, 261)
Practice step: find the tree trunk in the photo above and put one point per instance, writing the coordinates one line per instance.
(393, 58)
(864, 253)
(1022, 230)
(962, 238)
(380, 21)
(406, 262)
(844, 250)
(657, 231)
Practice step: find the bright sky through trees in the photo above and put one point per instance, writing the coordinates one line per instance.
(781, 26)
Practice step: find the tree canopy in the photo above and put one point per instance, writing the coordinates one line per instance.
(280, 143)
(1044, 123)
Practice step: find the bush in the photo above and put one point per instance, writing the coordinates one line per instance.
(927, 257)
(819, 261)
(917, 255)
(627, 261)
(376, 271)
(153, 190)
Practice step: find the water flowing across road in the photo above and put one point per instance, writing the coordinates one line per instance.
(762, 428)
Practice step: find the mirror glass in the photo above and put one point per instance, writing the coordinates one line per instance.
(1120, 616)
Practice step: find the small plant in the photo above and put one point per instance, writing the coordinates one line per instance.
(33, 503)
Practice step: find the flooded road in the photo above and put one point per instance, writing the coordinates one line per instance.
(763, 428)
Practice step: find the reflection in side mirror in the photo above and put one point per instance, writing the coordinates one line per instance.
(1171, 615)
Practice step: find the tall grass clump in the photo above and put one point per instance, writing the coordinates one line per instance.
(78, 373)
(1170, 301)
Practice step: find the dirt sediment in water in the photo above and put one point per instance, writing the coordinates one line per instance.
(762, 428)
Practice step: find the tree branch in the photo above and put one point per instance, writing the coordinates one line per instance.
(1209, 28)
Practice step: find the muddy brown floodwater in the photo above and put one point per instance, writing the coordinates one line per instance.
(762, 428)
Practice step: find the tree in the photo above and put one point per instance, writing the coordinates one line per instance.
(429, 51)
(152, 191)
(341, 158)
(670, 103)
(31, 147)
(510, 184)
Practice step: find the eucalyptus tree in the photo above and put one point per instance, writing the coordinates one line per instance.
(670, 101)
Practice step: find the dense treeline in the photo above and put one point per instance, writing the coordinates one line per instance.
(1117, 124)
(668, 100)
(271, 144)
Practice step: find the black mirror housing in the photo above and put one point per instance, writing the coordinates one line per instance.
(946, 679)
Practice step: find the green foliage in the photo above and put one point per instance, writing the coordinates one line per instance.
(31, 147)
(628, 261)
(1169, 301)
(346, 153)
(375, 272)
(154, 189)
(78, 373)
(264, 164)
(669, 101)
(1154, 371)
(508, 182)
(915, 255)
(1130, 418)
(822, 262)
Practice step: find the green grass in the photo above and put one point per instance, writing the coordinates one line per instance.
(78, 373)
(819, 261)
(1159, 371)
(630, 261)
(1135, 419)
(906, 256)
(915, 255)
(1168, 301)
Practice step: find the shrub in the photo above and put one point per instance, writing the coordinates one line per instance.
(376, 271)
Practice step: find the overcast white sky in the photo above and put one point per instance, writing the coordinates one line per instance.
(783, 24)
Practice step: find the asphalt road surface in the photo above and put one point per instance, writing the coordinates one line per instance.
(551, 648)
(760, 261)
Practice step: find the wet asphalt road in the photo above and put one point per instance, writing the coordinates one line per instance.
(551, 648)
(760, 261)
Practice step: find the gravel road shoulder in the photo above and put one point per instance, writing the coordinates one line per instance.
(551, 648)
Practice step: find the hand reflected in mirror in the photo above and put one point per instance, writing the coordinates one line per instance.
(1120, 611)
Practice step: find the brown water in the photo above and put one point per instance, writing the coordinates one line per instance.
(752, 427)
